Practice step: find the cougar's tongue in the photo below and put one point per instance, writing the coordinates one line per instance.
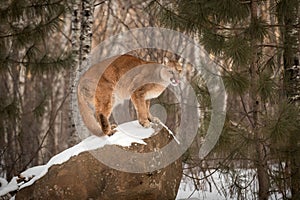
(174, 81)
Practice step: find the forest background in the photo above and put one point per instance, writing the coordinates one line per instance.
(255, 44)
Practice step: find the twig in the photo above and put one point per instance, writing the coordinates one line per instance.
(170, 132)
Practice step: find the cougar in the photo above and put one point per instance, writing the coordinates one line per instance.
(129, 77)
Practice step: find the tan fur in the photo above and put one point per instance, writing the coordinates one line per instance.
(129, 77)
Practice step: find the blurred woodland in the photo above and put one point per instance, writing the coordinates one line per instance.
(255, 44)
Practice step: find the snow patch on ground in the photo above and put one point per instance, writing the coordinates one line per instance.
(127, 133)
(187, 190)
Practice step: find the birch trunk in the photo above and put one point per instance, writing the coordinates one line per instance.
(82, 22)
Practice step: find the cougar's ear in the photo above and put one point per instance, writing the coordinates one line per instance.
(165, 61)
(148, 57)
(180, 61)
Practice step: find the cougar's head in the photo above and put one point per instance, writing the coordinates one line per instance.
(171, 72)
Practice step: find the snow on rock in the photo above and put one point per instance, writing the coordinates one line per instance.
(8, 187)
(3, 183)
(127, 133)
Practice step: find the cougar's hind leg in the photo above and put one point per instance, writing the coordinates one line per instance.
(103, 105)
(151, 118)
(104, 123)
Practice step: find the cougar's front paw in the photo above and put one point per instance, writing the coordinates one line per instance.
(113, 126)
(156, 124)
(145, 123)
(111, 132)
(154, 120)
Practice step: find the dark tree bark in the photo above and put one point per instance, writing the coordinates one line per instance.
(291, 86)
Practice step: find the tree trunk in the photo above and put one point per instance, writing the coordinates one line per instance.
(82, 22)
(292, 88)
(255, 104)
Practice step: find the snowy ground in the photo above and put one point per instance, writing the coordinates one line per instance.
(208, 188)
(187, 191)
(222, 186)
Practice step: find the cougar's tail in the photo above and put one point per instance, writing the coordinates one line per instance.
(104, 123)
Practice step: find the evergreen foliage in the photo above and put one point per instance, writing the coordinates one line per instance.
(266, 87)
(255, 43)
(235, 82)
(284, 123)
(26, 29)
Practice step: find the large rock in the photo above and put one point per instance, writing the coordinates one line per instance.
(85, 177)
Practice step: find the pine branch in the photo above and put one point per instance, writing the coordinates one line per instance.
(42, 5)
(100, 3)
(167, 12)
(43, 65)
(40, 28)
(276, 46)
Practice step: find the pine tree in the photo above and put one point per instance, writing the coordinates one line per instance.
(243, 38)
